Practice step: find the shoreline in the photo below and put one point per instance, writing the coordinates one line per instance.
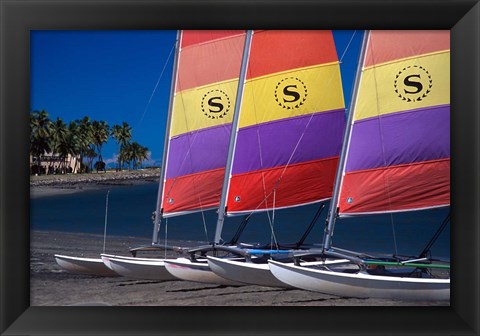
(53, 185)
(50, 285)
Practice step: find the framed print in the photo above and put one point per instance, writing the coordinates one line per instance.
(20, 19)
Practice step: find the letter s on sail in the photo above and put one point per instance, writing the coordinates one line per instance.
(417, 85)
(294, 94)
(218, 105)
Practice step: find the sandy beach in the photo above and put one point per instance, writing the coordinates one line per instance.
(50, 285)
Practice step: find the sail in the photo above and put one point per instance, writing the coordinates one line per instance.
(291, 122)
(206, 84)
(398, 152)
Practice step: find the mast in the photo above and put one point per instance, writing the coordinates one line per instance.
(158, 209)
(327, 238)
(233, 136)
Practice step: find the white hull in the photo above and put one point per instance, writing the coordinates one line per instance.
(361, 285)
(138, 268)
(91, 266)
(245, 272)
(106, 258)
(251, 273)
(185, 269)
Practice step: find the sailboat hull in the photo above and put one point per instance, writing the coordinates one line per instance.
(185, 269)
(90, 266)
(138, 268)
(252, 273)
(361, 285)
(245, 272)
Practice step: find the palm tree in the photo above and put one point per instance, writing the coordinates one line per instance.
(40, 128)
(68, 145)
(122, 135)
(125, 155)
(74, 144)
(134, 154)
(85, 137)
(90, 154)
(58, 134)
(142, 154)
(115, 134)
(100, 136)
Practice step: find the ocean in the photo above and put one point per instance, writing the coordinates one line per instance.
(130, 208)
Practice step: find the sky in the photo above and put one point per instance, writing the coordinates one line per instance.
(118, 76)
(106, 75)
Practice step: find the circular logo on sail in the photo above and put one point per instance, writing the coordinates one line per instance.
(291, 93)
(215, 104)
(413, 83)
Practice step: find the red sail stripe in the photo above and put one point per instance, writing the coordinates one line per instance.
(316, 184)
(193, 192)
(396, 188)
(274, 51)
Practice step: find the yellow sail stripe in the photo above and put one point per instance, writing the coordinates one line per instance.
(202, 107)
(293, 93)
(421, 82)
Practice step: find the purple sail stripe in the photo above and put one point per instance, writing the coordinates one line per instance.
(277, 140)
(198, 151)
(406, 137)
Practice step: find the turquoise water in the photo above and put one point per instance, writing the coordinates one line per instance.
(130, 208)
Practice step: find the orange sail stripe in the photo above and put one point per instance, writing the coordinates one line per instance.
(388, 45)
(396, 188)
(191, 37)
(193, 192)
(247, 191)
(209, 63)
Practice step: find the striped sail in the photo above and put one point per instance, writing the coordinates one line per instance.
(206, 84)
(291, 122)
(398, 154)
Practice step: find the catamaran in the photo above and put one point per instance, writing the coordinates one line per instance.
(288, 142)
(395, 158)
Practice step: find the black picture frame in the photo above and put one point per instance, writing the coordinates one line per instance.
(19, 17)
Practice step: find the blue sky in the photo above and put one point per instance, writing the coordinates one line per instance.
(113, 75)
(106, 75)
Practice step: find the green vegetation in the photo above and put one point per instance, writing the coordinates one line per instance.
(81, 141)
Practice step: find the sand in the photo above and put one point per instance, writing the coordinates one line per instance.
(50, 285)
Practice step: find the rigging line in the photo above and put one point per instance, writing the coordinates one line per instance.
(226, 67)
(435, 237)
(203, 219)
(190, 144)
(260, 150)
(382, 142)
(105, 228)
(265, 199)
(187, 154)
(298, 142)
(311, 117)
(156, 85)
(348, 46)
(273, 238)
(166, 235)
